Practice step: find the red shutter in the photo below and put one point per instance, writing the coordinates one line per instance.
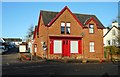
(80, 46)
(68, 47)
(51, 46)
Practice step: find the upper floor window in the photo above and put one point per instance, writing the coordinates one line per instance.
(113, 32)
(113, 42)
(91, 28)
(67, 28)
(62, 28)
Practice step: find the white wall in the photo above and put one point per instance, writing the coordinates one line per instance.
(110, 36)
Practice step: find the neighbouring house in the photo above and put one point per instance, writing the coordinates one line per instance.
(111, 34)
(111, 43)
(66, 34)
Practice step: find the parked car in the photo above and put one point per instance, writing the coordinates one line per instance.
(10, 45)
(2, 50)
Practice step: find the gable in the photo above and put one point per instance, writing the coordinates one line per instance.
(110, 31)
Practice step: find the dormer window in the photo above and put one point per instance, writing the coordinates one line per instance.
(91, 28)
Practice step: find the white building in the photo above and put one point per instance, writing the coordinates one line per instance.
(110, 35)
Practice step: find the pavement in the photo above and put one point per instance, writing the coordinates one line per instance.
(13, 56)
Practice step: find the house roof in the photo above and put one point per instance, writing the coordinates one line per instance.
(12, 39)
(111, 29)
(48, 16)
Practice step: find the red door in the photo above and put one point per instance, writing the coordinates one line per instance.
(66, 48)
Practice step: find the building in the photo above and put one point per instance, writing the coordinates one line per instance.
(66, 34)
(2, 40)
(111, 34)
(16, 41)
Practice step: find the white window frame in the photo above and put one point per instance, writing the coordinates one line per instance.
(74, 47)
(92, 47)
(57, 46)
(62, 26)
(113, 42)
(68, 27)
(91, 28)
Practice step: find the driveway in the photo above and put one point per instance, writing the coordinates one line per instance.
(11, 56)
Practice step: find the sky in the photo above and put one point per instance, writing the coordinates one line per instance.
(17, 17)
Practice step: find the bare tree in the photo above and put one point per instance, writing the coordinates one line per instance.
(29, 33)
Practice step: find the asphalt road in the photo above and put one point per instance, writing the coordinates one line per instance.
(51, 68)
(56, 68)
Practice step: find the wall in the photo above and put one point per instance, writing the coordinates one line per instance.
(55, 29)
(97, 38)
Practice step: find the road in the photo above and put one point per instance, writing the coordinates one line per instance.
(45, 68)
(57, 68)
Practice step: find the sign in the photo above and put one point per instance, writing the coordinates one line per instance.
(22, 48)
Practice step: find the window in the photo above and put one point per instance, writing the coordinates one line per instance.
(62, 28)
(113, 42)
(113, 32)
(57, 46)
(74, 46)
(67, 28)
(91, 28)
(108, 42)
(92, 47)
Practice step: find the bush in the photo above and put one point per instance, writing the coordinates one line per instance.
(113, 50)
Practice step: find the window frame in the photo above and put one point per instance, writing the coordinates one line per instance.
(68, 27)
(113, 42)
(55, 45)
(76, 50)
(92, 46)
(91, 29)
(108, 42)
(62, 27)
